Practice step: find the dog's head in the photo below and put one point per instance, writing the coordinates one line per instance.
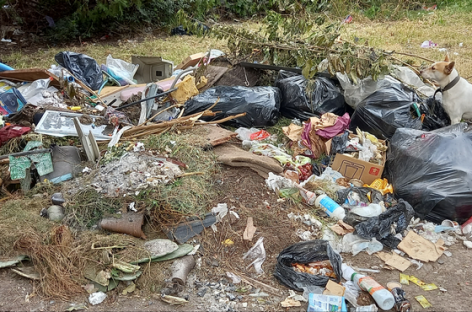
(438, 71)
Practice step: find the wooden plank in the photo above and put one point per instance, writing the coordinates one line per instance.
(213, 74)
(28, 75)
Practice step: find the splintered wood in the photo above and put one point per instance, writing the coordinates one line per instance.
(180, 123)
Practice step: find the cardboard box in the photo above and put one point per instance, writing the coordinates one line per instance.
(354, 168)
(192, 60)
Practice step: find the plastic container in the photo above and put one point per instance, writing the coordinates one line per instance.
(382, 296)
(330, 207)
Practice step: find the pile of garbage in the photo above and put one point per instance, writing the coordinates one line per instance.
(378, 161)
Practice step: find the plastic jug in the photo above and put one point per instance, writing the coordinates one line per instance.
(330, 207)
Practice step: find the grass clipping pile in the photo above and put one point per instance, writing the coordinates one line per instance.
(63, 254)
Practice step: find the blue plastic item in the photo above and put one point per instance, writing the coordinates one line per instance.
(4, 67)
(11, 102)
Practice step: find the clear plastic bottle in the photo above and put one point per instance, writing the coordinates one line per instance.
(382, 296)
(330, 207)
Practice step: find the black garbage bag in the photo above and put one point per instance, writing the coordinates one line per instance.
(302, 101)
(83, 67)
(362, 192)
(339, 143)
(261, 105)
(386, 110)
(435, 115)
(380, 227)
(303, 253)
(432, 171)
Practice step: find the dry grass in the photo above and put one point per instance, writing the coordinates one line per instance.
(20, 216)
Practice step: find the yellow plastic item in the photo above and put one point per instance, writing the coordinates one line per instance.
(424, 303)
(74, 108)
(404, 279)
(371, 138)
(228, 242)
(381, 185)
(416, 281)
(429, 287)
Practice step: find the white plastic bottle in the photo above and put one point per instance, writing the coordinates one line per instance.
(330, 207)
(382, 296)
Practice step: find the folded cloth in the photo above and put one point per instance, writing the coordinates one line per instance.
(236, 157)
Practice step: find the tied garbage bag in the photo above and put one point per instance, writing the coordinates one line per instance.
(261, 105)
(303, 253)
(303, 99)
(385, 110)
(431, 170)
(83, 67)
(435, 116)
(380, 227)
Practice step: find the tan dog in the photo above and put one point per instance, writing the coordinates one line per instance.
(456, 91)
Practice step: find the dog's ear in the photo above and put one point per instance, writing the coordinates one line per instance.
(447, 58)
(449, 67)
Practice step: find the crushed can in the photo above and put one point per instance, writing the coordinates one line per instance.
(401, 303)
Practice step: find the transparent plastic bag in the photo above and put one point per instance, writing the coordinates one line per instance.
(122, 69)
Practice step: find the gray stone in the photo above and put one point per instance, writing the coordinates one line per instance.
(239, 297)
(231, 288)
(202, 292)
(231, 296)
(160, 247)
(215, 263)
(56, 213)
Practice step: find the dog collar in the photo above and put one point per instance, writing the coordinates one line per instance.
(448, 86)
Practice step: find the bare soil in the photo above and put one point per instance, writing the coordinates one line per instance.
(244, 190)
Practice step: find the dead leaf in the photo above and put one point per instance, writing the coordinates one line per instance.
(250, 230)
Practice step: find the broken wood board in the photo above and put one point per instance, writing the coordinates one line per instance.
(250, 230)
(217, 135)
(334, 289)
(110, 90)
(29, 75)
(213, 74)
(420, 248)
(395, 261)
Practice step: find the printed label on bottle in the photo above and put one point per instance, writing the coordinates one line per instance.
(329, 204)
(369, 285)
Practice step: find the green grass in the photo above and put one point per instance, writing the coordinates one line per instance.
(173, 48)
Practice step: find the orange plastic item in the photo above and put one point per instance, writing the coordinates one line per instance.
(259, 135)
(381, 185)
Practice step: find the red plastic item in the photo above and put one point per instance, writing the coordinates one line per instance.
(10, 132)
(259, 135)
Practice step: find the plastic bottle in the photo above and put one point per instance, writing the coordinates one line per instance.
(382, 296)
(401, 303)
(330, 207)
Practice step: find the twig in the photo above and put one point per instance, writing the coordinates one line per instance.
(412, 55)
(222, 120)
(110, 247)
(251, 281)
(190, 174)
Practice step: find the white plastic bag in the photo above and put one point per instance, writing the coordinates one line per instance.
(122, 69)
(258, 253)
(244, 134)
(36, 87)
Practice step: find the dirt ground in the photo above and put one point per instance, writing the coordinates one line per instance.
(244, 190)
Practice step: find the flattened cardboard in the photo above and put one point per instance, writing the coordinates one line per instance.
(421, 249)
(395, 261)
(191, 60)
(342, 228)
(334, 289)
(353, 168)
